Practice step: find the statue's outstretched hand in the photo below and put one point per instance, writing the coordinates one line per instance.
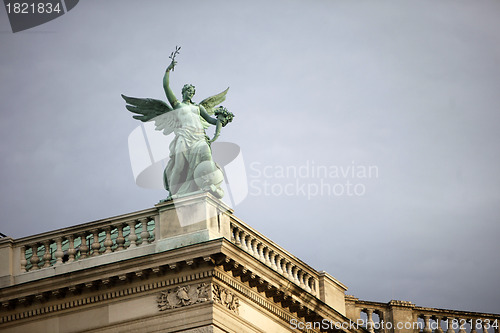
(171, 66)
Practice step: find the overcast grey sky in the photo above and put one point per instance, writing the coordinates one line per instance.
(410, 87)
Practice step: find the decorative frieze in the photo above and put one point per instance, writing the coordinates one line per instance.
(198, 293)
(109, 294)
(183, 295)
(226, 298)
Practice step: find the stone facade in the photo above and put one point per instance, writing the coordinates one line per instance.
(184, 266)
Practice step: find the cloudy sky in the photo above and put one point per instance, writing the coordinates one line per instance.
(408, 88)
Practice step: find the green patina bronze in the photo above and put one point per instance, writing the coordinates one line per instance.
(191, 168)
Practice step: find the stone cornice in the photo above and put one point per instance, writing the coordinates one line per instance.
(122, 270)
(88, 298)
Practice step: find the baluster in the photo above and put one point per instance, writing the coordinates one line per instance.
(279, 268)
(267, 259)
(47, 256)
(461, 325)
(132, 237)
(120, 240)
(298, 281)
(59, 252)
(288, 270)
(250, 246)
(23, 260)
(473, 326)
(260, 251)
(450, 325)
(255, 248)
(34, 260)
(108, 243)
(237, 240)
(243, 240)
(95, 244)
(144, 231)
(272, 258)
(245, 245)
(314, 286)
(369, 321)
(439, 329)
(233, 230)
(154, 219)
(248, 241)
(291, 272)
(84, 249)
(306, 282)
(485, 327)
(381, 318)
(295, 275)
(311, 284)
(427, 324)
(496, 322)
(300, 276)
(265, 255)
(71, 248)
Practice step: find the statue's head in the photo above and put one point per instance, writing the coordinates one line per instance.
(188, 92)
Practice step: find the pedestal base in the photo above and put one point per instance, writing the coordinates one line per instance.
(192, 219)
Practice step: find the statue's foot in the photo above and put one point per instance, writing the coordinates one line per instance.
(170, 197)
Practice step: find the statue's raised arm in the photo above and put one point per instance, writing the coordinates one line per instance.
(166, 85)
(190, 168)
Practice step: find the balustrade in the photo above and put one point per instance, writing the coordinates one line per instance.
(425, 320)
(96, 240)
(458, 321)
(273, 257)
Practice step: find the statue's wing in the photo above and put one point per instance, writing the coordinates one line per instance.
(153, 109)
(211, 102)
(167, 122)
(148, 108)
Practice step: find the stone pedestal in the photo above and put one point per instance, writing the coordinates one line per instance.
(332, 292)
(191, 220)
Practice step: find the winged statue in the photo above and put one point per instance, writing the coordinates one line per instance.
(190, 168)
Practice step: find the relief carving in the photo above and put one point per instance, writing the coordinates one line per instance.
(226, 298)
(183, 296)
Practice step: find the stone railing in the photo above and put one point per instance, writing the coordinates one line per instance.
(85, 241)
(274, 256)
(403, 316)
(456, 321)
